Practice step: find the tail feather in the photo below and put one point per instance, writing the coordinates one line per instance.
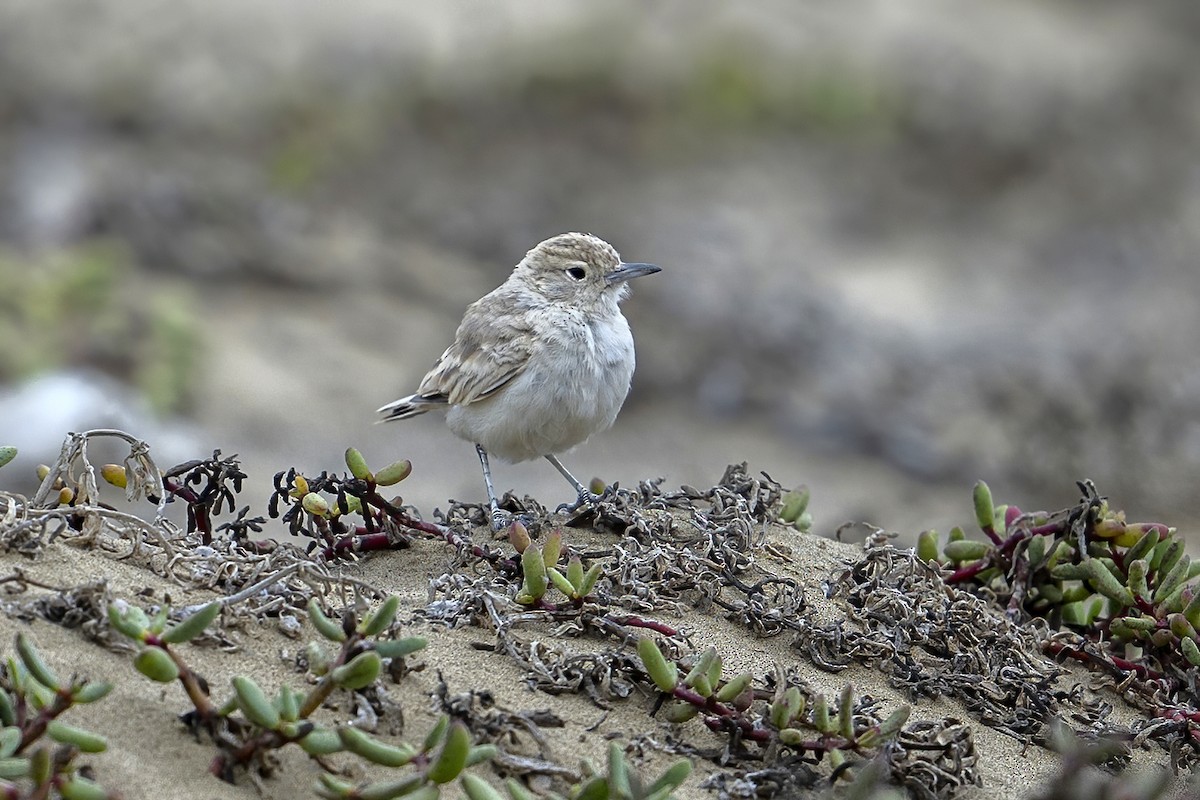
(411, 406)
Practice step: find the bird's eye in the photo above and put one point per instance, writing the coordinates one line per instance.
(577, 273)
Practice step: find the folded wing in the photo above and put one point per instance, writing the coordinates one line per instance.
(489, 350)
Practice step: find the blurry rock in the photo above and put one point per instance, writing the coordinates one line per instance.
(36, 417)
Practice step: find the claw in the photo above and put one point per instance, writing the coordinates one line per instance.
(502, 519)
(586, 498)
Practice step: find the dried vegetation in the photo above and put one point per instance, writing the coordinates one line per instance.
(598, 606)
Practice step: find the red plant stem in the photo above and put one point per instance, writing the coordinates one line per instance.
(1190, 718)
(1179, 714)
(363, 543)
(325, 686)
(1010, 516)
(720, 724)
(205, 710)
(721, 716)
(398, 516)
(1003, 547)
(451, 538)
(1113, 662)
(970, 571)
(37, 726)
(199, 511)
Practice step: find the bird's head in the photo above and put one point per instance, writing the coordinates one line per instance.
(579, 269)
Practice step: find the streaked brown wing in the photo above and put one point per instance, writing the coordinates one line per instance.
(489, 350)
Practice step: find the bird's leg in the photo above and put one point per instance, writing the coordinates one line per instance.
(585, 495)
(498, 516)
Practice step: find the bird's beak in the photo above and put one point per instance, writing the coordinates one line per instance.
(629, 271)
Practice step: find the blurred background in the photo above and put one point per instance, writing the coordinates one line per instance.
(904, 245)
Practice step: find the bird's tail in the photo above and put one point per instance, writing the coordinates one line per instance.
(410, 406)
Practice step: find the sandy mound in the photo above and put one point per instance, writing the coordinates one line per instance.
(551, 682)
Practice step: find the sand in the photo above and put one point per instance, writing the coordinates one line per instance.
(150, 753)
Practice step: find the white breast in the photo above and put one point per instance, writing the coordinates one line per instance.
(573, 387)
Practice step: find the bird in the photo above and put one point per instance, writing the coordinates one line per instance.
(539, 364)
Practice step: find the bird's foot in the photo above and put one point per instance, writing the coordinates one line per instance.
(502, 519)
(586, 498)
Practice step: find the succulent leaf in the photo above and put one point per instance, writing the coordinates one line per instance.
(1174, 578)
(254, 703)
(480, 753)
(393, 473)
(927, 545)
(359, 672)
(1104, 582)
(321, 742)
(791, 736)
(156, 664)
(477, 788)
(399, 648)
(379, 619)
(552, 550)
(315, 504)
(14, 768)
(366, 746)
(10, 740)
(966, 550)
(562, 583)
(820, 715)
(288, 703)
(436, 733)
(518, 536)
(449, 762)
(575, 571)
(410, 787)
(618, 772)
(664, 674)
(33, 661)
(700, 669)
(1190, 651)
(794, 504)
(671, 779)
(846, 713)
(86, 741)
(325, 626)
(78, 787)
(734, 687)
(895, 722)
(1137, 570)
(357, 464)
(1142, 547)
(678, 711)
(517, 790)
(589, 579)
(194, 625)
(985, 508)
(536, 581)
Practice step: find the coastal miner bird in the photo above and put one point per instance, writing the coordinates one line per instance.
(539, 364)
